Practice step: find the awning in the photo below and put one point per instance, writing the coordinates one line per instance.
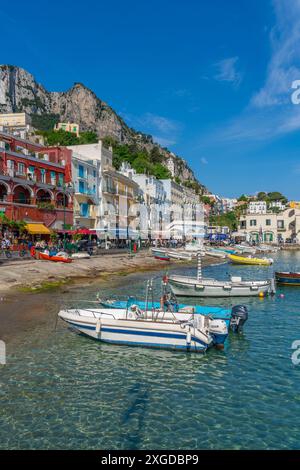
(37, 229)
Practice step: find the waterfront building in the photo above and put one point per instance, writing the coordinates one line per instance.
(67, 127)
(270, 227)
(85, 175)
(35, 182)
(119, 215)
(116, 193)
(183, 210)
(151, 197)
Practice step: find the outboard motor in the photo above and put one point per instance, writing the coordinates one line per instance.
(239, 316)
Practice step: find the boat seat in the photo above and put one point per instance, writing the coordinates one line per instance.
(236, 279)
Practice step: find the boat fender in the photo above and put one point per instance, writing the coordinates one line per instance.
(188, 337)
(98, 327)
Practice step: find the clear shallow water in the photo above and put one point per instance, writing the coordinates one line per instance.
(61, 390)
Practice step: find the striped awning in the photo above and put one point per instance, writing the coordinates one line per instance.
(37, 229)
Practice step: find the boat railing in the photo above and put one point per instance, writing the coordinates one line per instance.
(95, 314)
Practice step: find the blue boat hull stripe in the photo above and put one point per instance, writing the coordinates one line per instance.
(138, 333)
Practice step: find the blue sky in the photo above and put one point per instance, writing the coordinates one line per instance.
(207, 78)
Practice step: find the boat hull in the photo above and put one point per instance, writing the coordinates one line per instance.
(161, 255)
(251, 261)
(56, 259)
(288, 279)
(191, 287)
(138, 333)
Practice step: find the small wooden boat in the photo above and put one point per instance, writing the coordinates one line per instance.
(250, 260)
(160, 254)
(82, 255)
(215, 253)
(60, 257)
(288, 278)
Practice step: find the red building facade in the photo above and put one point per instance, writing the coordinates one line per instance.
(35, 182)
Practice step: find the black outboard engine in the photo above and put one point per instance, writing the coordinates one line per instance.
(239, 316)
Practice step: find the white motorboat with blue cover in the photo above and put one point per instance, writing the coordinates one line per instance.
(159, 329)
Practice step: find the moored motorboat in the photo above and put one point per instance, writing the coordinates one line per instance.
(288, 278)
(234, 318)
(250, 260)
(134, 327)
(205, 287)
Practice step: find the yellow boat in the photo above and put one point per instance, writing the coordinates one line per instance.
(250, 260)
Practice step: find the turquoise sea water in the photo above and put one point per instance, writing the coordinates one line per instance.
(65, 391)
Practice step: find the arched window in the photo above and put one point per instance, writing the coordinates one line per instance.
(21, 195)
(3, 192)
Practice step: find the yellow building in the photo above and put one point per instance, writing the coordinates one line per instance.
(294, 204)
(15, 120)
(68, 127)
(119, 199)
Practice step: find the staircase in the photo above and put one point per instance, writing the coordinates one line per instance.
(49, 218)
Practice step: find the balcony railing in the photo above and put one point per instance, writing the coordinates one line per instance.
(110, 190)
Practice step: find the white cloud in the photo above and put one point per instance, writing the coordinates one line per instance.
(163, 141)
(270, 112)
(227, 71)
(164, 130)
(203, 161)
(284, 65)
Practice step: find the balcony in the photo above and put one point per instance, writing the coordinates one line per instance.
(109, 190)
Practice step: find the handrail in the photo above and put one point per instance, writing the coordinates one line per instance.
(93, 312)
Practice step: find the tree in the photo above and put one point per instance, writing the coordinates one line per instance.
(207, 200)
(61, 137)
(262, 196)
(276, 196)
(243, 197)
(225, 220)
(155, 155)
(161, 172)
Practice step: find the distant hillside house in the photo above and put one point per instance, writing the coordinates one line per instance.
(171, 165)
(18, 124)
(257, 207)
(67, 127)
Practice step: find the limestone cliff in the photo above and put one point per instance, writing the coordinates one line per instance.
(19, 91)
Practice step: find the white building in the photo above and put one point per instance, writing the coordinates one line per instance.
(257, 207)
(270, 227)
(185, 211)
(152, 199)
(277, 205)
(116, 193)
(171, 165)
(228, 204)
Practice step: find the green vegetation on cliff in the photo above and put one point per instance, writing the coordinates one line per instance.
(229, 219)
(140, 159)
(64, 138)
